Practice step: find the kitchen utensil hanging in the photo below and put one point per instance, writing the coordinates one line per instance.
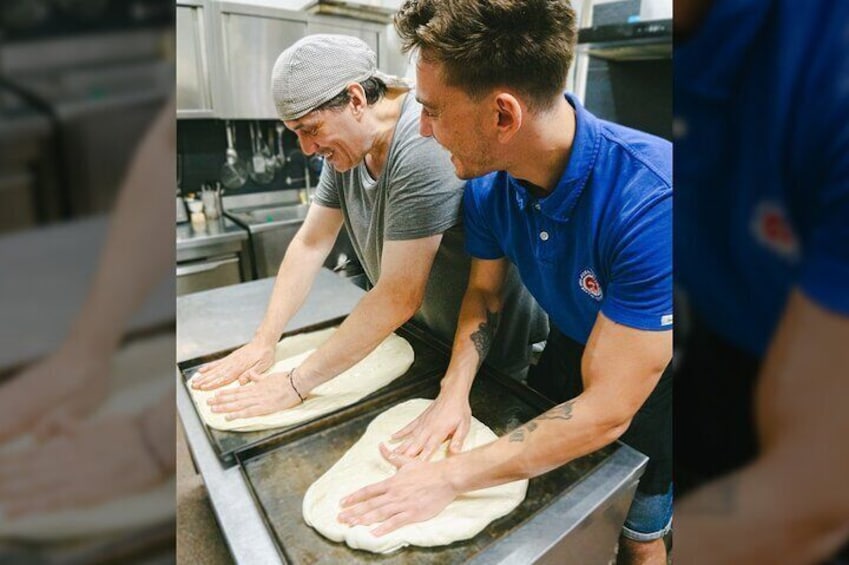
(281, 155)
(268, 150)
(234, 174)
(260, 173)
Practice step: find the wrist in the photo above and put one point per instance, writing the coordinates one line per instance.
(453, 472)
(265, 338)
(453, 383)
(87, 345)
(145, 426)
(308, 378)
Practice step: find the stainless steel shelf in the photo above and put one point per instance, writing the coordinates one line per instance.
(628, 42)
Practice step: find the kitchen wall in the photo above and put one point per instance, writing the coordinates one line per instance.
(635, 93)
(202, 144)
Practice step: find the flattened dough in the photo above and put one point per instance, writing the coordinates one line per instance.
(363, 465)
(142, 373)
(388, 361)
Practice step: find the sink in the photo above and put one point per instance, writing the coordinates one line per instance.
(295, 213)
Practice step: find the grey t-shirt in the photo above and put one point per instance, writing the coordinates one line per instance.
(418, 195)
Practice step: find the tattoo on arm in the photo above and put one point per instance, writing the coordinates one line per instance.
(559, 412)
(482, 337)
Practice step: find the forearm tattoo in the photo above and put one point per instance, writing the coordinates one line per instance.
(559, 412)
(482, 337)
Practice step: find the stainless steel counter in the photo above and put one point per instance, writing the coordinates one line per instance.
(219, 230)
(580, 526)
(46, 275)
(222, 318)
(214, 320)
(212, 254)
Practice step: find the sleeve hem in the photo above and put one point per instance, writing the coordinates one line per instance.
(654, 322)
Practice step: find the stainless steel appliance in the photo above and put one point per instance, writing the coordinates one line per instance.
(271, 231)
(272, 219)
(207, 273)
(211, 255)
(98, 94)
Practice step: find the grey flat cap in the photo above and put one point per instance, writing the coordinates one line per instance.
(318, 67)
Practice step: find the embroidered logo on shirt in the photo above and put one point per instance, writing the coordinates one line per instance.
(589, 284)
(772, 229)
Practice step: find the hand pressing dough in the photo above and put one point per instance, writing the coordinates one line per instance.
(363, 465)
(141, 374)
(388, 361)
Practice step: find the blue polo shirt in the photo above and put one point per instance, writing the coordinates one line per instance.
(762, 163)
(601, 240)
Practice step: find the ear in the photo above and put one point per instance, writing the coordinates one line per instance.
(358, 98)
(510, 116)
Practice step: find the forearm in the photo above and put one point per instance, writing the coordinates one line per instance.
(139, 246)
(379, 313)
(478, 322)
(791, 504)
(566, 432)
(295, 277)
(741, 510)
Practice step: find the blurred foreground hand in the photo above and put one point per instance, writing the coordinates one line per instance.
(87, 464)
(65, 386)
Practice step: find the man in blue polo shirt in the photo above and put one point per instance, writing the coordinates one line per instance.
(762, 253)
(583, 208)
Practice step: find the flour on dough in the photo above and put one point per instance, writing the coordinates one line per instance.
(385, 363)
(141, 373)
(363, 465)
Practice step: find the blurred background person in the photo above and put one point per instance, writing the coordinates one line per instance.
(84, 89)
(762, 260)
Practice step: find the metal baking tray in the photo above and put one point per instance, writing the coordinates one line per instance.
(153, 544)
(431, 360)
(139, 545)
(278, 478)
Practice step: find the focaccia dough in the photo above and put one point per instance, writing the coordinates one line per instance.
(141, 374)
(388, 361)
(363, 465)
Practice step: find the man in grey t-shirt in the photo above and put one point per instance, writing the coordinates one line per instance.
(398, 197)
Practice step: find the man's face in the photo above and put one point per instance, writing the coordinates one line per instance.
(455, 121)
(334, 134)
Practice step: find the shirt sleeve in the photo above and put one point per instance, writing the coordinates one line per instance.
(424, 193)
(481, 242)
(824, 269)
(325, 192)
(639, 294)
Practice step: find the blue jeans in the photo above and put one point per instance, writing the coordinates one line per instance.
(650, 516)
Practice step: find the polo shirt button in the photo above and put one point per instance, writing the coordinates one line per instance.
(543, 235)
(537, 206)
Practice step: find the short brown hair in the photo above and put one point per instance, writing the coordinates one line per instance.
(526, 45)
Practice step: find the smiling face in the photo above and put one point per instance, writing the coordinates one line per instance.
(464, 127)
(335, 134)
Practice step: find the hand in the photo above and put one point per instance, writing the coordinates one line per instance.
(448, 416)
(264, 394)
(61, 388)
(254, 356)
(85, 464)
(418, 491)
